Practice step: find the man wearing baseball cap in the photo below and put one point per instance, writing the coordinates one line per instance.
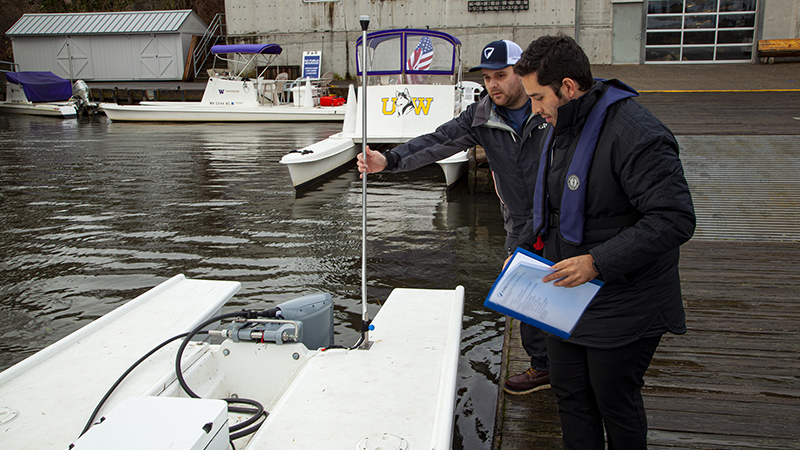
(512, 136)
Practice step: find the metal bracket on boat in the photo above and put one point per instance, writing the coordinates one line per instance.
(280, 332)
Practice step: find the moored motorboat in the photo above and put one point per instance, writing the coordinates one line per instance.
(232, 96)
(415, 85)
(317, 395)
(45, 94)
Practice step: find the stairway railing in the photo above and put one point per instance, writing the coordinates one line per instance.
(214, 32)
(12, 66)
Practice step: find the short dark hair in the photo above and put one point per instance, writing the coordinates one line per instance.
(554, 58)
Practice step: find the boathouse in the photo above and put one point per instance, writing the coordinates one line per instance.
(106, 46)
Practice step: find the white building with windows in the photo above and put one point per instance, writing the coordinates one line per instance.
(138, 45)
(610, 31)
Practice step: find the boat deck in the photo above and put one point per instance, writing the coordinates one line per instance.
(731, 381)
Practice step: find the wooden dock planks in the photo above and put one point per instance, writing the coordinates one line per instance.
(731, 382)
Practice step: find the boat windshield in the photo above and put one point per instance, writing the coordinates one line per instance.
(411, 56)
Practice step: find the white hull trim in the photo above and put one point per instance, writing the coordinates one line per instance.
(173, 112)
(454, 167)
(40, 109)
(319, 161)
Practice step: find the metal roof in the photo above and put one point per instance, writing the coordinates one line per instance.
(99, 23)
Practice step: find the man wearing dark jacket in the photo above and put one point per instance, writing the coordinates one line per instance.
(502, 123)
(611, 202)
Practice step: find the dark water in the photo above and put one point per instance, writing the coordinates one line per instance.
(93, 213)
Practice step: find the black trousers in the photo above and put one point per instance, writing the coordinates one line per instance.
(601, 388)
(535, 345)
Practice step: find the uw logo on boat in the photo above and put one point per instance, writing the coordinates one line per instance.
(403, 103)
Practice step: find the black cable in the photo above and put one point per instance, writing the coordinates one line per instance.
(259, 409)
(259, 412)
(248, 431)
(255, 414)
(188, 339)
(122, 377)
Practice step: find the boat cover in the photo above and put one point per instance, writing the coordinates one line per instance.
(269, 49)
(41, 86)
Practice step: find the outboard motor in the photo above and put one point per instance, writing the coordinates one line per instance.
(80, 92)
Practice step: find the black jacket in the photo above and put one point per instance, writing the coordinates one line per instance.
(636, 180)
(512, 158)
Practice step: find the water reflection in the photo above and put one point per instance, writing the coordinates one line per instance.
(94, 213)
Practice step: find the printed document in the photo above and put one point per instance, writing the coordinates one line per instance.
(519, 292)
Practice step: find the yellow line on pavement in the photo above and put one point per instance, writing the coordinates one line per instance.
(713, 90)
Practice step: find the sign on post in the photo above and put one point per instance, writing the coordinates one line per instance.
(311, 64)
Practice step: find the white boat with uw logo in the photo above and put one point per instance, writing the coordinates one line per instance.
(231, 96)
(415, 85)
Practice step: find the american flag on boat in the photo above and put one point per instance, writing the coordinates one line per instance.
(422, 56)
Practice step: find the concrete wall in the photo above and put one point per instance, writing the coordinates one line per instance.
(781, 19)
(333, 27)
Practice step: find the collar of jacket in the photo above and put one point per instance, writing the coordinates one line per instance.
(572, 116)
(486, 115)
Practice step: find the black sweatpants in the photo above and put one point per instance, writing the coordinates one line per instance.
(597, 388)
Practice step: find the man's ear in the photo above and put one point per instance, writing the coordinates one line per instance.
(569, 88)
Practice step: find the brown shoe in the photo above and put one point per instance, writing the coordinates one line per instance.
(531, 380)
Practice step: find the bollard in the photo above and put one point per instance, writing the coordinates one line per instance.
(115, 94)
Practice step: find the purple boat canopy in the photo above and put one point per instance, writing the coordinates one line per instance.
(41, 86)
(263, 49)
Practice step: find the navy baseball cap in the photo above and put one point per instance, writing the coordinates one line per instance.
(498, 55)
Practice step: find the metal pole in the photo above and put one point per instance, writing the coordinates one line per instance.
(365, 344)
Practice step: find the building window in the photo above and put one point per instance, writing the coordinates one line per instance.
(700, 31)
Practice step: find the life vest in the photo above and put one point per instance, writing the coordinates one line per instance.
(573, 200)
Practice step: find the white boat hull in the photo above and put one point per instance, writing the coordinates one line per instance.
(330, 398)
(454, 167)
(320, 160)
(230, 100)
(62, 110)
(196, 112)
